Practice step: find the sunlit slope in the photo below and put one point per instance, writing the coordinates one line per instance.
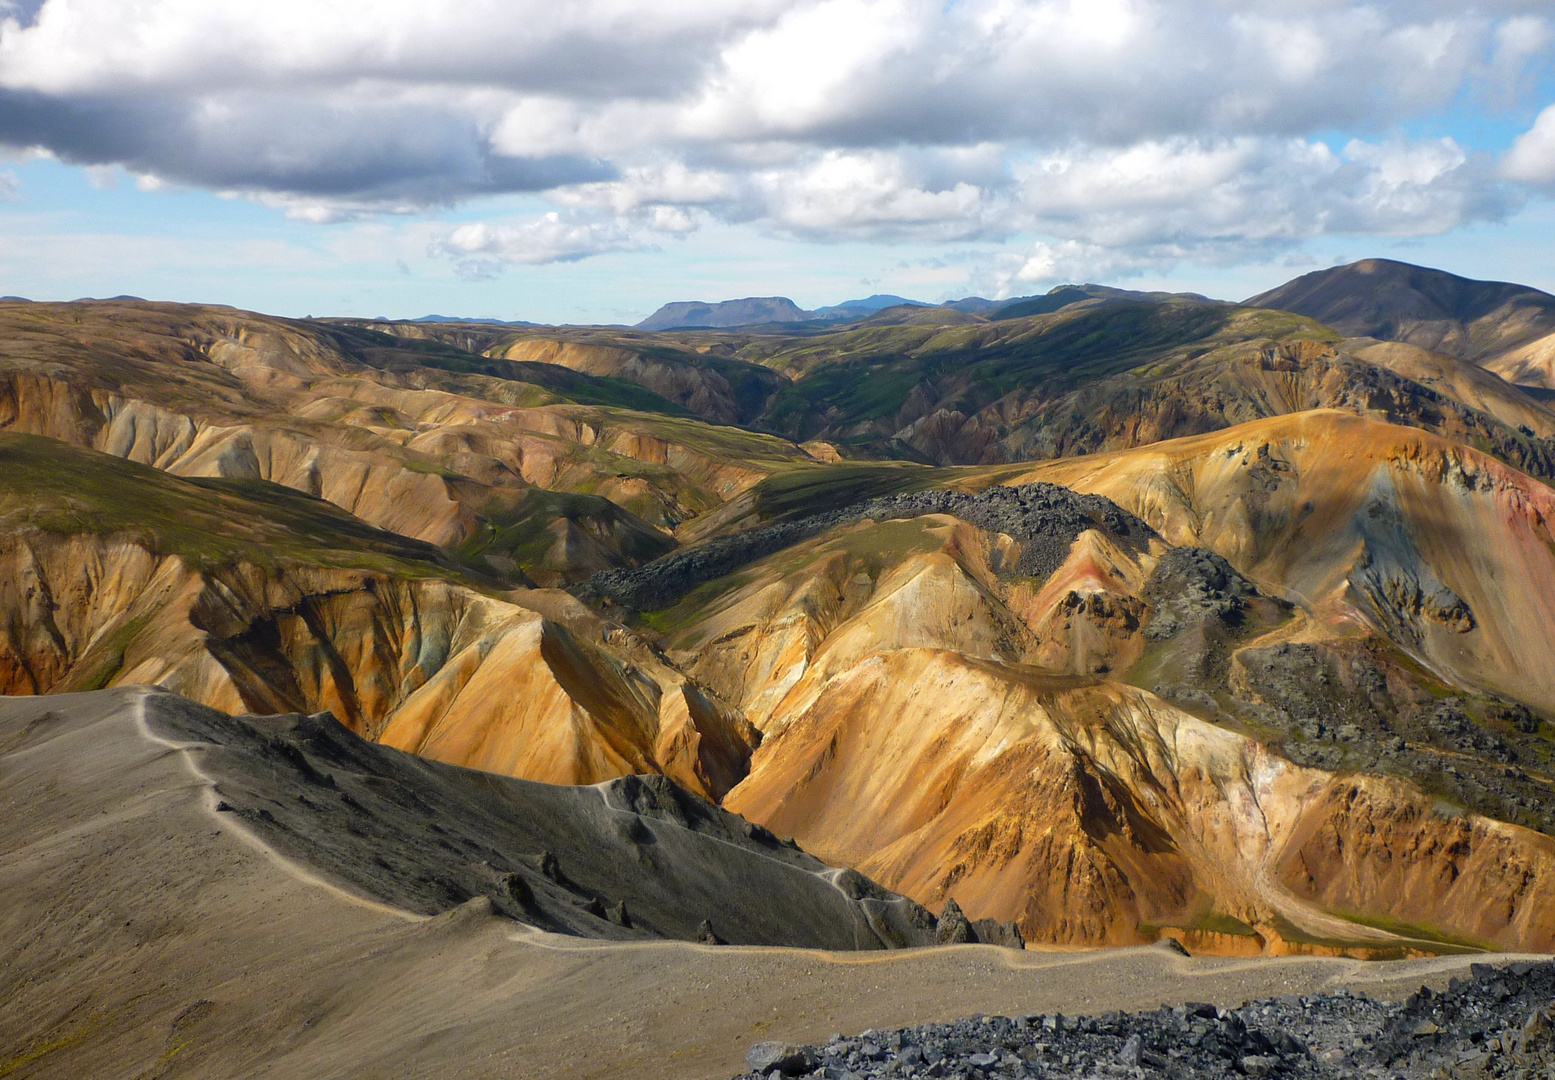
(1444, 549)
(947, 725)
(249, 597)
(1100, 374)
(417, 437)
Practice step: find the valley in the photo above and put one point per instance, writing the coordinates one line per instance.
(1097, 619)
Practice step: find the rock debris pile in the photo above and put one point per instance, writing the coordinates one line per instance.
(1045, 518)
(1498, 1023)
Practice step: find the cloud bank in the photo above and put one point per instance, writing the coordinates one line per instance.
(1124, 133)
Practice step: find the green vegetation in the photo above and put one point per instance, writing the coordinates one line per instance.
(1453, 943)
(869, 548)
(1379, 950)
(851, 384)
(59, 488)
(873, 375)
(817, 489)
(1209, 922)
(523, 532)
(105, 659)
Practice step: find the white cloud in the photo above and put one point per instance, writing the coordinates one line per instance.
(480, 250)
(1532, 157)
(10, 186)
(1141, 127)
(871, 195)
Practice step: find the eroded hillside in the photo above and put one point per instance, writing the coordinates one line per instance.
(1228, 627)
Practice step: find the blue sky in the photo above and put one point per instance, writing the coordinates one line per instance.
(592, 164)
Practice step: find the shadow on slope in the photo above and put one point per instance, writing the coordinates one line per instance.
(637, 857)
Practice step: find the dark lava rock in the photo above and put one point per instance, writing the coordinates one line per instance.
(1191, 584)
(953, 927)
(1045, 518)
(1498, 1024)
(786, 1058)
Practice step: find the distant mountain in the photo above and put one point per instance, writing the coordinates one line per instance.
(746, 312)
(1507, 328)
(1060, 296)
(460, 319)
(860, 309)
(978, 304)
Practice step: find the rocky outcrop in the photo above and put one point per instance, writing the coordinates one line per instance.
(1368, 525)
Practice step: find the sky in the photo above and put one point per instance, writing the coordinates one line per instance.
(588, 161)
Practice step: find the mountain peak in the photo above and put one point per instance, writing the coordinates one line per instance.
(1507, 328)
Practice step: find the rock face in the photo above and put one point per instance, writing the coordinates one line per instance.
(1368, 522)
(1509, 329)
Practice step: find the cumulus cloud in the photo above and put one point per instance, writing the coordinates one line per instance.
(480, 249)
(1532, 157)
(1108, 123)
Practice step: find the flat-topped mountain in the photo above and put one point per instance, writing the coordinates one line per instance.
(747, 312)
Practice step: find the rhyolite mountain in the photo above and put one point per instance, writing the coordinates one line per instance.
(1123, 617)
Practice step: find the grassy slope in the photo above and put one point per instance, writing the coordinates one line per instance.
(866, 374)
(59, 488)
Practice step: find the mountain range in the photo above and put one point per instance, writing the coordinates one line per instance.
(762, 310)
(1116, 616)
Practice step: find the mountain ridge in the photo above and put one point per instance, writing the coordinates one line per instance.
(1507, 328)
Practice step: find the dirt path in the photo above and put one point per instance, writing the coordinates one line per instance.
(143, 935)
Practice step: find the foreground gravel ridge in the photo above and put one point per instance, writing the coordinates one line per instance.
(1499, 1023)
(1045, 518)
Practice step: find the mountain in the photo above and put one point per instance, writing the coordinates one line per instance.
(850, 310)
(1113, 694)
(224, 892)
(759, 310)
(977, 304)
(1508, 329)
(750, 311)
(459, 319)
(357, 832)
(1144, 617)
(946, 387)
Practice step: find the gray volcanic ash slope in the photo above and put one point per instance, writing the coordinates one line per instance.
(637, 857)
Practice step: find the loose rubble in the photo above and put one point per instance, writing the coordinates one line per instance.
(1498, 1023)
